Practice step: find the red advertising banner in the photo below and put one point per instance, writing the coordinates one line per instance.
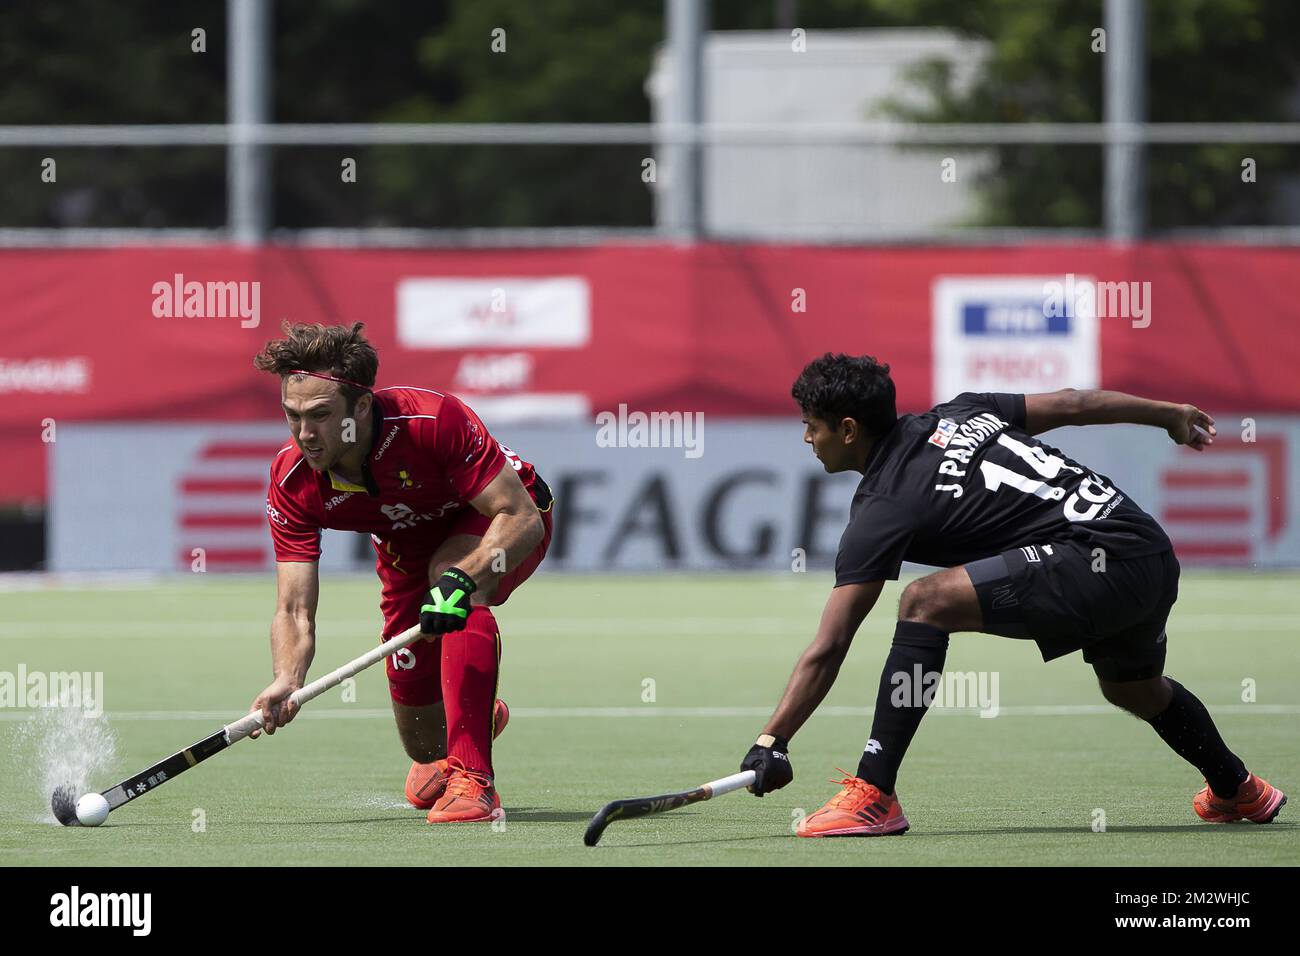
(169, 334)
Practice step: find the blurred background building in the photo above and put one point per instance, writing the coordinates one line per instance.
(559, 209)
(787, 187)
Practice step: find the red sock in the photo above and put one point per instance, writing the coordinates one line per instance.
(469, 688)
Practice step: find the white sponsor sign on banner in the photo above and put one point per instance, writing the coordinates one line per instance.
(1014, 334)
(42, 375)
(443, 313)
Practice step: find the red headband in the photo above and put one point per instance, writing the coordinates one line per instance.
(330, 378)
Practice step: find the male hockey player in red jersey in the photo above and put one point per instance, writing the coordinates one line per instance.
(458, 521)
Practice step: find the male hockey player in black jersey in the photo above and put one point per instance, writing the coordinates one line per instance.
(1019, 527)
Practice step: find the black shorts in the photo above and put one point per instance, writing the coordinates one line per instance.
(1051, 594)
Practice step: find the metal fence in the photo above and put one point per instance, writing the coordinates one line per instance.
(682, 140)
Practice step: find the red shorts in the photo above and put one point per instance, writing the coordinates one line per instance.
(414, 677)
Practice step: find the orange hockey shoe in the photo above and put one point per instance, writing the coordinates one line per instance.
(470, 797)
(1257, 800)
(859, 809)
(425, 782)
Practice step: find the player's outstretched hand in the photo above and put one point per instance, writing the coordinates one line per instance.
(1192, 427)
(769, 758)
(446, 608)
(276, 707)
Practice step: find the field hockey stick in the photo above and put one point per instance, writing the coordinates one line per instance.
(644, 806)
(64, 801)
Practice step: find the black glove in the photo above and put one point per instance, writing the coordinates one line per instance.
(446, 607)
(770, 761)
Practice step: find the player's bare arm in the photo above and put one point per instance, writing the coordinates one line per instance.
(845, 610)
(293, 640)
(516, 529)
(1186, 424)
(813, 676)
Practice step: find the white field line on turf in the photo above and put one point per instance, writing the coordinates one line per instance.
(222, 717)
(1226, 624)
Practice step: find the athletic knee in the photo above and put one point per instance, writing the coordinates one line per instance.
(422, 729)
(1143, 698)
(418, 748)
(1114, 693)
(920, 602)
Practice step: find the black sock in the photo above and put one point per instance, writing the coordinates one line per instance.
(906, 689)
(1185, 725)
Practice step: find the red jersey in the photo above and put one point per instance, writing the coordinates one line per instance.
(429, 456)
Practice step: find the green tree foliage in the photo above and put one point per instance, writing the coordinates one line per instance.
(564, 61)
(1223, 61)
(78, 61)
(580, 61)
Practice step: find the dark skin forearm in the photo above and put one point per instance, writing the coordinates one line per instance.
(1186, 424)
(819, 665)
(1101, 407)
(813, 676)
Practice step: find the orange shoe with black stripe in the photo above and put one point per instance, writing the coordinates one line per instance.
(470, 797)
(859, 809)
(425, 782)
(1257, 800)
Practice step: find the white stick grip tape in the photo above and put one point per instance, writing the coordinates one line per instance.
(736, 781)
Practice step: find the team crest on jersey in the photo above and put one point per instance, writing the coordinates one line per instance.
(943, 433)
(406, 480)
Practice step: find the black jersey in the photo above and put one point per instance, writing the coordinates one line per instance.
(965, 481)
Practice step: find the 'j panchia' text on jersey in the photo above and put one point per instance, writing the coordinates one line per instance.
(965, 481)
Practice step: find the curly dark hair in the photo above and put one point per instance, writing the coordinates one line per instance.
(337, 350)
(836, 387)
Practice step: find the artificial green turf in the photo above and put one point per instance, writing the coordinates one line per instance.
(1014, 789)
